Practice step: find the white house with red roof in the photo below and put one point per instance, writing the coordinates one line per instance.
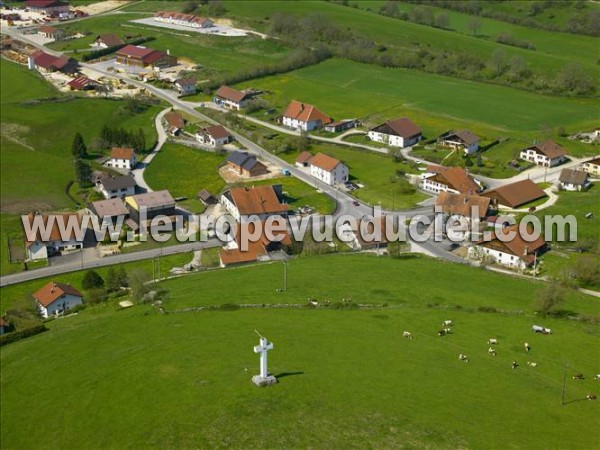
(328, 169)
(57, 298)
(47, 239)
(122, 158)
(400, 132)
(303, 116)
(231, 98)
(547, 154)
(214, 135)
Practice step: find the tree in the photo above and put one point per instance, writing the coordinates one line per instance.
(95, 295)
(442, 21)
(302, 142)
(549, 298)
(216, 8)
(83, 172)
(123, 280)
(518, 68)
(112, 280)
(474, 25)
(189, 7)
(587, 270)
(389, 8)
(137, 283)
(574, 78)
(78, 148)
(91, 280)
(497, 62)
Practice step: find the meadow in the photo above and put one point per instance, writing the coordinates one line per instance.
(345, 89)
(37, 137)
(182, 380)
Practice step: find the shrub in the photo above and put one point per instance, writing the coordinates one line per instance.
(18, 335)
(91, 280)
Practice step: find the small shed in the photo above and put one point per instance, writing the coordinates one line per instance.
(207, 198)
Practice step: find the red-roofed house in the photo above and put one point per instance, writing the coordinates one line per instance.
(592, 166)
(328, 169)
(547, 153)
(108, 40)
(231, 98)
(57, 298)
(49, 7)
(450, 179)
(51, 32)
(461, 139)
(82, 83)
(46, 63)
(41, 245)
(304, 117)
(214, 135)
(135, 55)
(122, 158)
(262, 201)
(396, 133)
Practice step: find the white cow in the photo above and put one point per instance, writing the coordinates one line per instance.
(447, 323)
(597, 377)
(531, 364)
(407, 335)
(491, 351)
(527, 346)
(492, 341)
(463, 357)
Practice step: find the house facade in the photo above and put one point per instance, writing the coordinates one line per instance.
(184, 20)
(57, 298)
(328, 169)
(143, 208)
(448, 179)
(138, 56)
(122, 158)
(46, 63)
(51, 32)
(185, 86)
(38, 247)
(261, 201)
(547, 154)
(215, 135)
(48, 7)
(573, 180)
(305, 117)
(592, 167)
(460, 140)
(341, 125)
(108, 40)
(400, 132)
(116, 187)
(231, 98)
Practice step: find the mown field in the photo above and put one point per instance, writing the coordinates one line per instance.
(37, 137)
(182, 380)
(344, 89)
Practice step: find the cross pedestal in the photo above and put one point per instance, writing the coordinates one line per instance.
(264, 379)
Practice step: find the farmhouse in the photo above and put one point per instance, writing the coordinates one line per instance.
(108, 40)
(262, 201)
(515, 194)
(328, 169)
(57, 298)
(122, 158)
(341, 125)
(245, 164)
(452, 179)
(231, 98)
(460, 140)
(547, 154)
(464, 205)
(116, 187)
(46, 63)
(145, 207)
(574, 180)
(109, 209)
(185, 86)
(175, 122)
(517, 252)
(303, 159)
(186, 20)
(41, 246)
(257, 250)
(215, 135)
(48, 7)
(396, 133)
(82, 83)
(51, 32)
(304, 117)
(592, 166)
(138, 56)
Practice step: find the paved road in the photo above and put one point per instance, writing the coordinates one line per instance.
(138, 172)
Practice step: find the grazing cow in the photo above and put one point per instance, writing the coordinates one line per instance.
(591, 397)
(492, 341)
(597, 377)
(447, 330)
(547, 331)
(514, 365)
(442, 333)
(531, 364)
(527, 347)
(463, 357)
(407, 335)
(578, 376)
(447, 323)
(491, 351)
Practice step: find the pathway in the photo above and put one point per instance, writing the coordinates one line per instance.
(138, 172)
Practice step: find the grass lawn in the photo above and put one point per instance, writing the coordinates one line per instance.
(365, 387)
(36, 138)
(344, 89)
(376, 171)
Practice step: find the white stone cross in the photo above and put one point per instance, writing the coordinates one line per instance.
(263, 348)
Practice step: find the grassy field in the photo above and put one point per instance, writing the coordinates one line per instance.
(346, 89)
(376, 171)
(366, 387)
(37, 137)
(406, 35)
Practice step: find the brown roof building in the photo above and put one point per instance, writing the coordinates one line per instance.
(324, 162)
(135, 55)
(518, 247)
(231, 98)
(122, 153)
(304, 116)
(54, 291)
(303, 159)
(454, 179)
(463, 204)
(109, 40)
(515, 194)
(262, 201)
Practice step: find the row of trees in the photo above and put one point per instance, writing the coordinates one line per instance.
(120, 137)
(98, 289)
